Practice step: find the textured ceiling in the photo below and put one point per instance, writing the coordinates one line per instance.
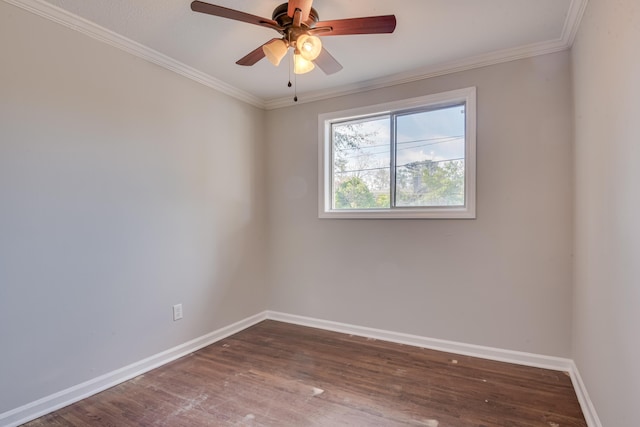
(432, 36)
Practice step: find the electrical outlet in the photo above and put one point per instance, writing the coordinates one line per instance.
(177, 312)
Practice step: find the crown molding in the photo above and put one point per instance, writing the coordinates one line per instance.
(470, 63)
(573, 20)
(569, 31)
(56, 14)
(95, 31)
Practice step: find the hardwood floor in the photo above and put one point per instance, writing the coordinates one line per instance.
(277, 374)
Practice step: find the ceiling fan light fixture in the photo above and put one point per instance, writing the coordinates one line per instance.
(298, 22)
(275, 50)
(301, 65)
(309, 46)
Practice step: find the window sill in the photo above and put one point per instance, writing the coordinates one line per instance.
(401, 213)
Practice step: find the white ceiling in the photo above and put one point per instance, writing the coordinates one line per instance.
(432, 37)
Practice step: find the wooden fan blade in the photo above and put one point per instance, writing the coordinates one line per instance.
(327, 63)
(367, 25)
(303, 5)
(212, 9)
(253, 56)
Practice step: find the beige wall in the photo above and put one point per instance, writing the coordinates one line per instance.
(502, 280)
(124, 189)
(606, 64)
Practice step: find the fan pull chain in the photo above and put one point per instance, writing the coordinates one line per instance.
(289, 68)
(295, 80)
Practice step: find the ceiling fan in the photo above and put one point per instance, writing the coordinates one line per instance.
(299, 25)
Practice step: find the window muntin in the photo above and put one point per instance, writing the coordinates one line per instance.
(409, 159)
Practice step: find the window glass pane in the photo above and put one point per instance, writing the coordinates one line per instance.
(361, 163)
(430, 157)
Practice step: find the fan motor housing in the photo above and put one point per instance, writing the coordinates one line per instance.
(280, 16)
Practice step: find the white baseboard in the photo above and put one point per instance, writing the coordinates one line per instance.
(501, 355)
(40, 407)
(588, 410)
(33, 410)
(509, 356)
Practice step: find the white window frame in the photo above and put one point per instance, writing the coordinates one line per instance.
(325, 172)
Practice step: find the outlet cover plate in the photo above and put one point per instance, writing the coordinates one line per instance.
(177, 312)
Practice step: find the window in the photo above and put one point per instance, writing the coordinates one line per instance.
(408, 159)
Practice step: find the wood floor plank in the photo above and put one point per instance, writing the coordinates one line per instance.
(277, 374)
